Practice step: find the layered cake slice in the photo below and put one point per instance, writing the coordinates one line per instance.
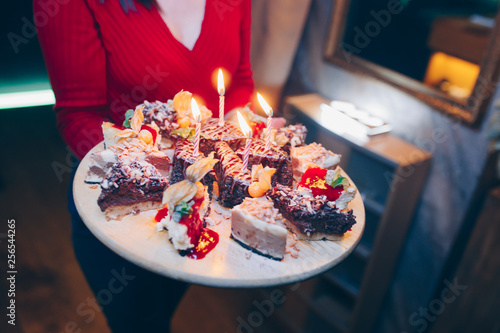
(212, 133)
(273, 158)
(187, 204)
(257, 225)
(233, 181)
(183, 158)
(311, 217)
(100, 162)
(314, 154)
(131, 186)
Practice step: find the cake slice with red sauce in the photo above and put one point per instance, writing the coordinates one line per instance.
(186, 205)
(318, 208)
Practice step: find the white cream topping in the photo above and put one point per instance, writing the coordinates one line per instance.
(108, 155)
(345, 198)
(177, 233)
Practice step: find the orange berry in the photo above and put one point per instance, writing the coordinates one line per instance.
(257, 189)
(146, 136)
(200, 192)
(184, 122)
(216, 189)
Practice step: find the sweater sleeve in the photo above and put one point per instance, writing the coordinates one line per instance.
(75, 61)
(243, 89)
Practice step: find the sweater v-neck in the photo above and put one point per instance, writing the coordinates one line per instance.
(176, 41)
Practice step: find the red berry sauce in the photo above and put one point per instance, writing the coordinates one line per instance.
(206, 239)
(314, 179)
(206, 243)
(151, 130)
(161, 214)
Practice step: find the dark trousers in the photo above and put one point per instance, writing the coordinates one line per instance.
(133, 299)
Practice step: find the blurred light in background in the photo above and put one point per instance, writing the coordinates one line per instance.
(27, 99)
(452, 75)
(343, 125)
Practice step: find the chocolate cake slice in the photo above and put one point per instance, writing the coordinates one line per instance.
(183, 158)
(273, 158)
(258, 226)
(131, 186)
(233, 182)
(311, 217)
(212, 133)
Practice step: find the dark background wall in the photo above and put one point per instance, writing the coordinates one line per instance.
(21, 61)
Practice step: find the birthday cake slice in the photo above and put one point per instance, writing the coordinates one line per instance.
(233, 181)
(129, 187)
(140, 147)
(309, 217)
(257, 225)
(317, 208)
(273, 158)
(186, 205)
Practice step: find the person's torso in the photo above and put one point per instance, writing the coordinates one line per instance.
(145, 62)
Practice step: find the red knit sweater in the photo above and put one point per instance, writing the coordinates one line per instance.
(102, 61)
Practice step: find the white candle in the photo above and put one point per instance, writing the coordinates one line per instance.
(269, 111)
(197, 117)
(247, 131)
(222, 91)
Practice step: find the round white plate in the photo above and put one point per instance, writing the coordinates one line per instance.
(228, 265)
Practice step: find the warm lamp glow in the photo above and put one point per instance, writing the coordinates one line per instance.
(195, 110)
(460, 75)
(220, 83)
(247, 131)
(267, 109)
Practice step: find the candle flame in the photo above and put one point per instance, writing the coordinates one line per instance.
(220, 83)
(267, 109)
(195, 110)
(247, 131)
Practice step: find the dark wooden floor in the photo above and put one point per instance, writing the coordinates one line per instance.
(50, 285)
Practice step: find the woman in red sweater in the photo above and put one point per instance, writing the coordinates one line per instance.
(104, 57)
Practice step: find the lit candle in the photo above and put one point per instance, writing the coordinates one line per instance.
(197, 117)
(222, 91)
(247, 131)
(269, 111)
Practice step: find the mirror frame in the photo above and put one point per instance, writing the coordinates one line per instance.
(471, 112)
